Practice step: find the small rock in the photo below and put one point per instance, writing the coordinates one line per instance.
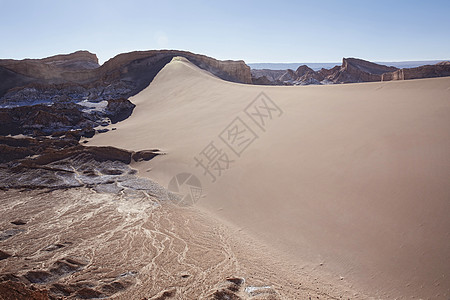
(53, 247)
(18, 222)
(4, 255)
(9, 233)
(145, 155)
(236, 280)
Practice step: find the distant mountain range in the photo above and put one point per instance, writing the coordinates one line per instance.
(351, 70)
(318, 66)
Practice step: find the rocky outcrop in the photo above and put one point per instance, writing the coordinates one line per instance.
(50, 70)
(288, 76)
(64, 163)
(271, 75)
(358, 70)
(263, 80)
(304, 75)
(4, 255)
(53, 65)
(119, 109)
(325, 73)
(63, 118)
(42, 151)
(430, 71)
(302, 70)
(80, 60)
(352, 70)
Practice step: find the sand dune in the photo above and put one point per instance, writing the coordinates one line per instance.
(350, 182)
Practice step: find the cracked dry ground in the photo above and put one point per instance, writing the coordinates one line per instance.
(80, 244)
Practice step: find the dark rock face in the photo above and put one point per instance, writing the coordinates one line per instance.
(324, 73)
(438, 70)
(358, 70)
(50, 70)
(119, 109)
(352, 70)
(63, 118)
(45, 163)
(263, 80)
(145, 155)
(288, 76)
(4, 255)
(271, 75)
(302, 70)
(47, 150)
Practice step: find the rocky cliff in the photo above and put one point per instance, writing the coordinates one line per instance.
(438, 70)
(358, 70)
(50, 70)
(53, 66)
(352, 70)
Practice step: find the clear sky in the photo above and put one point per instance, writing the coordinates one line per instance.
(255, 31)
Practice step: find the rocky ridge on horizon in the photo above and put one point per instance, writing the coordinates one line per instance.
(352, 70)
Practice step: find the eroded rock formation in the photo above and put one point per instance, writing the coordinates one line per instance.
(63, 118)
(358, 70)
(352, 70)
(438, 70)
(63, 163)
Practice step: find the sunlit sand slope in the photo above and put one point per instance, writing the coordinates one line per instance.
(349, 180)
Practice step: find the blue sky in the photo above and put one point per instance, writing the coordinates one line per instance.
(255, 31)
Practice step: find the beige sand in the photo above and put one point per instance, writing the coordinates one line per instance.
(355, 177)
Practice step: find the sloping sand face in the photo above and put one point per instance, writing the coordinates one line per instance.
(348, 180)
